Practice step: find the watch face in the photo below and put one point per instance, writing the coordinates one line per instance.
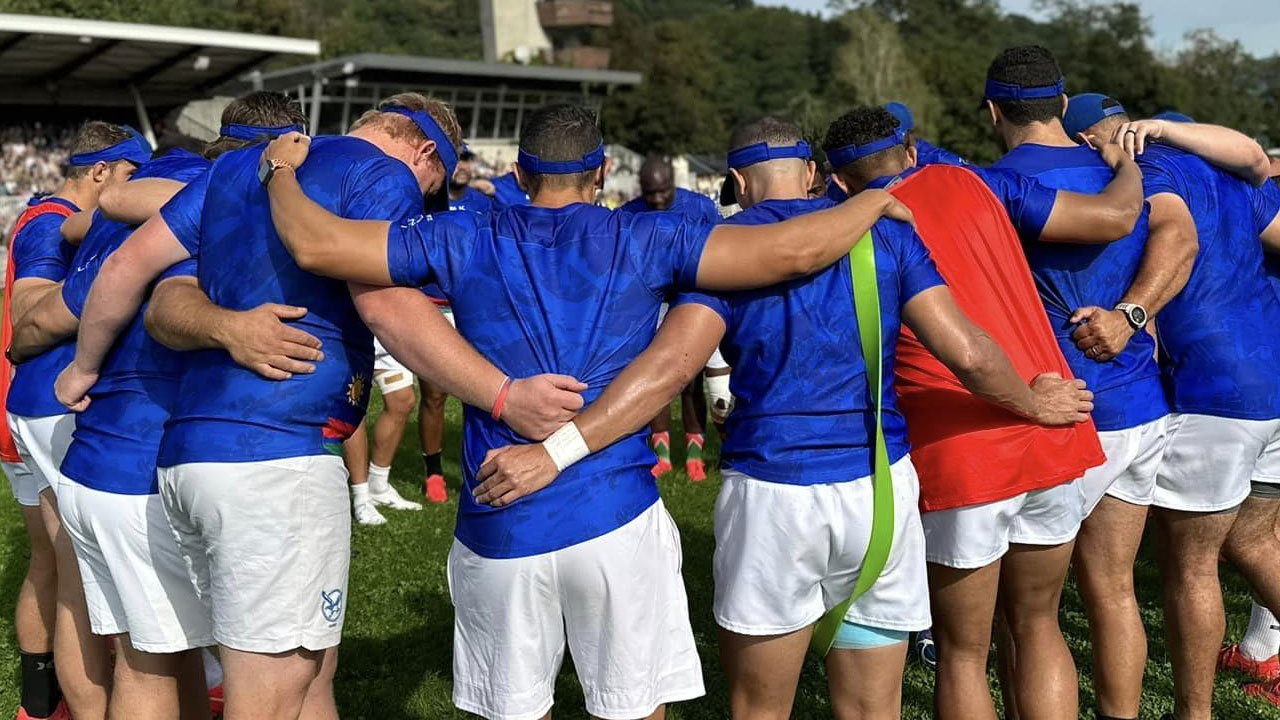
(1138, 315)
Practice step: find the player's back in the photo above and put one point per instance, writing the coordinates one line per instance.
(967, 450)
(803, 397)
(1220, 337)
(573, 290)
(139, 379)
(1072, 275)
(227, 413)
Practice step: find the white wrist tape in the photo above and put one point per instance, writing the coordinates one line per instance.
(718, 396)
(566, 446)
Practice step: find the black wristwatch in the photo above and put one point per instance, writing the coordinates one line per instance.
(267, 169)
(1134, 313)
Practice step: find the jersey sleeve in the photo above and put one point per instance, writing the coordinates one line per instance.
(916, 269)
(1266, 204)
(88, 261)
(182, 268)
(709, 212)
(39, 250)
(712, 300)
(381, 189)
(432, 249)
(668, 249)
(1028, 202)
(182, 213)
(1160, 176)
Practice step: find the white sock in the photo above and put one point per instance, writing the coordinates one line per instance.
(212, 669)
(378, 482)
(1262, 639)
(360, 494)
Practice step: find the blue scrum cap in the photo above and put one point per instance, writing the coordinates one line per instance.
(253, 133)
(1088, 109)
(134, 148)
(429, 127)
(842, 156)
(537, 166)
(905, 120)
(754, 154)
(1174, 116)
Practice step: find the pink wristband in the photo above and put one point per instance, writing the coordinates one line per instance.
(502, 399)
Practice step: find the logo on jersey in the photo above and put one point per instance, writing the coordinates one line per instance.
(356, 390)
(331, 605)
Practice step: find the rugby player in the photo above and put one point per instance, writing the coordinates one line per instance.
(102, 154)
(1118, 638)
(658, 191)
(1220, 343)
(794, 514)
(594, 559)
(1084, 287)
(999, 510)
(137, 587)
(249, 474)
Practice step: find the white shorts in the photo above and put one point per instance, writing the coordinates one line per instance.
(1209, 461)
(23, 483)
(268, 544)
(617, 599)
(977, 535)
(135, 579)
(716, 362)
(786, 554)
(388, 373)
(1129, 474)
(42, 443)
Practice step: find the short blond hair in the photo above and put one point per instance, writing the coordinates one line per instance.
(399, 127)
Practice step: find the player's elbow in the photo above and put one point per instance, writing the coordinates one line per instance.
(1120, 219)
(1260, 169)
(976, 357)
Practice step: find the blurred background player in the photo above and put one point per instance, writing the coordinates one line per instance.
(658, 191)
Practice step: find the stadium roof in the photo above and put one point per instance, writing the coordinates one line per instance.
(92, 62)
(436, 71)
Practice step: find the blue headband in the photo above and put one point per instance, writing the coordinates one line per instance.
(763, 152)
(537, 166)
(429, 127)
(134, 148)
(839, 157)
(257, 132)
(1000, 91)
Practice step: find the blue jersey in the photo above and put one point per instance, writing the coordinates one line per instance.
(117, 437)
(40, 252)
(507, 192)
(573, 290)
(929, 154)
(472, 200)
(227, 413)
(1220, 337)
(1127, 390)
(1266, 205)
(688, 204)
(804, 413)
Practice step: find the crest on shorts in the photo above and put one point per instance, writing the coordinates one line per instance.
(331, 605)
(355, 390)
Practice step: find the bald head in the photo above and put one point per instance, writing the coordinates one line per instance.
(658, 182)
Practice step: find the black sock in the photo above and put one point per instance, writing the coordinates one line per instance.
(40, 691)
(433, 463)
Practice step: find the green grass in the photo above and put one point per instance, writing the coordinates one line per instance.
(395, 660)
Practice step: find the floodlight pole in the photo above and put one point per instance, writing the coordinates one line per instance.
(144, 122)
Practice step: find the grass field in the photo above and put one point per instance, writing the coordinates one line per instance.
(395, 660)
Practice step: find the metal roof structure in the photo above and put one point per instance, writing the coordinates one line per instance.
(490, 98)
(48, 60)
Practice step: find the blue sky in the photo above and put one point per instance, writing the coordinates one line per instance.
(1255, 23)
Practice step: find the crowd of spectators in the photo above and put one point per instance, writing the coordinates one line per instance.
(31, 161)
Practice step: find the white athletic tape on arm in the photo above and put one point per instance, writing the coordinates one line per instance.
(718, 394)
(566, 446)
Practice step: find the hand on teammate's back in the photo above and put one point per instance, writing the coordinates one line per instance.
(1060, 401)
(895, 210)
(72, 387)
(1112, 152)
(290, 148)
(1133, 136)
(1102, 334)
(259, 340)
(509, 473)
(537, 406)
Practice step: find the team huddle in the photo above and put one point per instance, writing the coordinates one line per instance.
(950, 386)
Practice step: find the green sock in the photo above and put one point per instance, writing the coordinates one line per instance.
(661, 443)
(693, 447)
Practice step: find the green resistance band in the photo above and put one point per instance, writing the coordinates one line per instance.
(866, 304)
